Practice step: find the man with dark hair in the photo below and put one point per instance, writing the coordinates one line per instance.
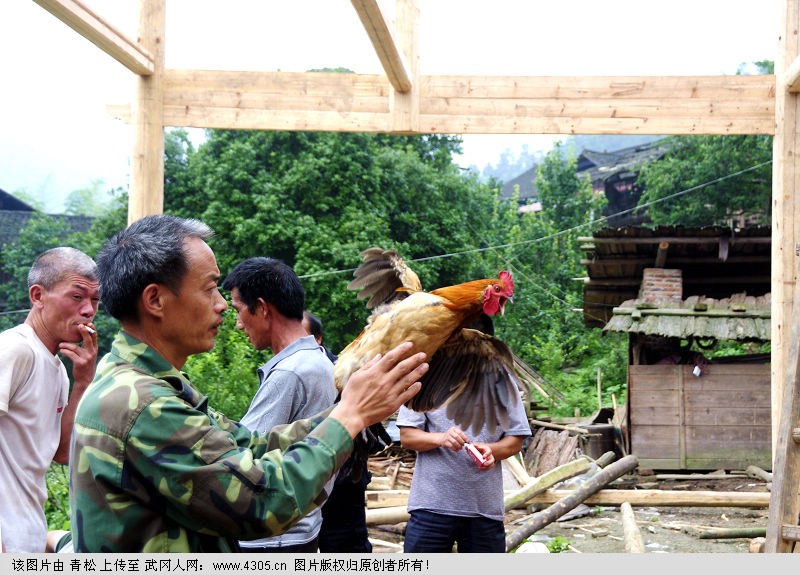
(295, 384)
(36, 406)
(313, 325)
(155, 468)
(344, 520)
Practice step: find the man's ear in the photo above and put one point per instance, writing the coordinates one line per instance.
(152, 300)
(262, 308)
(36, 293)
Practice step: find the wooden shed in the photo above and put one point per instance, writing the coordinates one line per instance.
(684, 410)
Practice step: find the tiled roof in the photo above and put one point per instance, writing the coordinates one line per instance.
(715, 262)
(12, 222)
(738, 318)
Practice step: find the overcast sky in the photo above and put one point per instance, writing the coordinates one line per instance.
(58, 137)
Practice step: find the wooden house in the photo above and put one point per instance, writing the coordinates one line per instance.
(677, 293)
(612, 174)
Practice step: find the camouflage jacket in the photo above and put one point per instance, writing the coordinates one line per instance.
(154, 469)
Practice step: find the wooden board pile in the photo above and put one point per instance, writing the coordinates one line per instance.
(392, 468)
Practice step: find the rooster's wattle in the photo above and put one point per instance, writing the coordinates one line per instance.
(471, 372)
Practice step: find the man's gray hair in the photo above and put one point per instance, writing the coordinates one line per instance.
(53, 265)
(150, 250)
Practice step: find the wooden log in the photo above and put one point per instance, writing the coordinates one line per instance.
(517, 470)
(382, 543)
(393, 477)
(543, 482)
(378, 483)
(732, 533)
(559, 427)
(610, 497)
(384, 515)
(758, 473)
(696, 476)
(548, 450)
(386, 498)
(591, 486)
(658, 497)
(757, 545)
(630, 530)
(605, 459)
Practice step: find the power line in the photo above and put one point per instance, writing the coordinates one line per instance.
(15, 311)
(565, 231)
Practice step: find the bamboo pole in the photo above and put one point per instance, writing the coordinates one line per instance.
(546, 480)
(568, 503)
(732, 533)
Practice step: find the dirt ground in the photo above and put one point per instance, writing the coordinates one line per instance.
(663, 529)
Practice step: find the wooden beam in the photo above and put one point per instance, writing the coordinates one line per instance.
(472, 104)
(694, 280)
(404, 106)
(381, 35)
(681, 312)
(678, 240)
(147, 162)
(660, 497)
(791, 77)
(86, 23)
(674, 261)
(661, 254)
(785, 206)
(636, 497)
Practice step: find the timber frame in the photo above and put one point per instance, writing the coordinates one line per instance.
(405, 102)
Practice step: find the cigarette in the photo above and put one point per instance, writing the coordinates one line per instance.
(90, 330)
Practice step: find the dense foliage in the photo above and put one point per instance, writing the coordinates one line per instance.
(710, 180)
(316, 200)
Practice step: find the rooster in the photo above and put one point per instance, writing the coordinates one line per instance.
(474, 374)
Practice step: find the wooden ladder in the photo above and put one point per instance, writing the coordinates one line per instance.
(783, 530)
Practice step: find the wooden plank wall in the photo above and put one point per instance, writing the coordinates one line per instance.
(719, 420)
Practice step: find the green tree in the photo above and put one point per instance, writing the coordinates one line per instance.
(710, 180)
(315, 200)
(41, 233)
(89, 201)
(551, 335)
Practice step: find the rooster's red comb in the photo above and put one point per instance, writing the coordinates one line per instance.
(507, 279)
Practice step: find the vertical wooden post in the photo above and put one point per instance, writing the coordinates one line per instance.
(785, 207)
(599, 389)
(405, 107)
(147, 178)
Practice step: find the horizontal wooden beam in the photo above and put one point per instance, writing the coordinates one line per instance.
(681, 312)
(659, 497)
(675, 240)
(474, 105)
(382, 37)
(86, 23)
(636, 497)
(673, 260)
(687, 280)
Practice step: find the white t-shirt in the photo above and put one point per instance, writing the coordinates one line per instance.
(34, 389)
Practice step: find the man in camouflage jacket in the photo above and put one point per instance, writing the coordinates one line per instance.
(153, 467)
